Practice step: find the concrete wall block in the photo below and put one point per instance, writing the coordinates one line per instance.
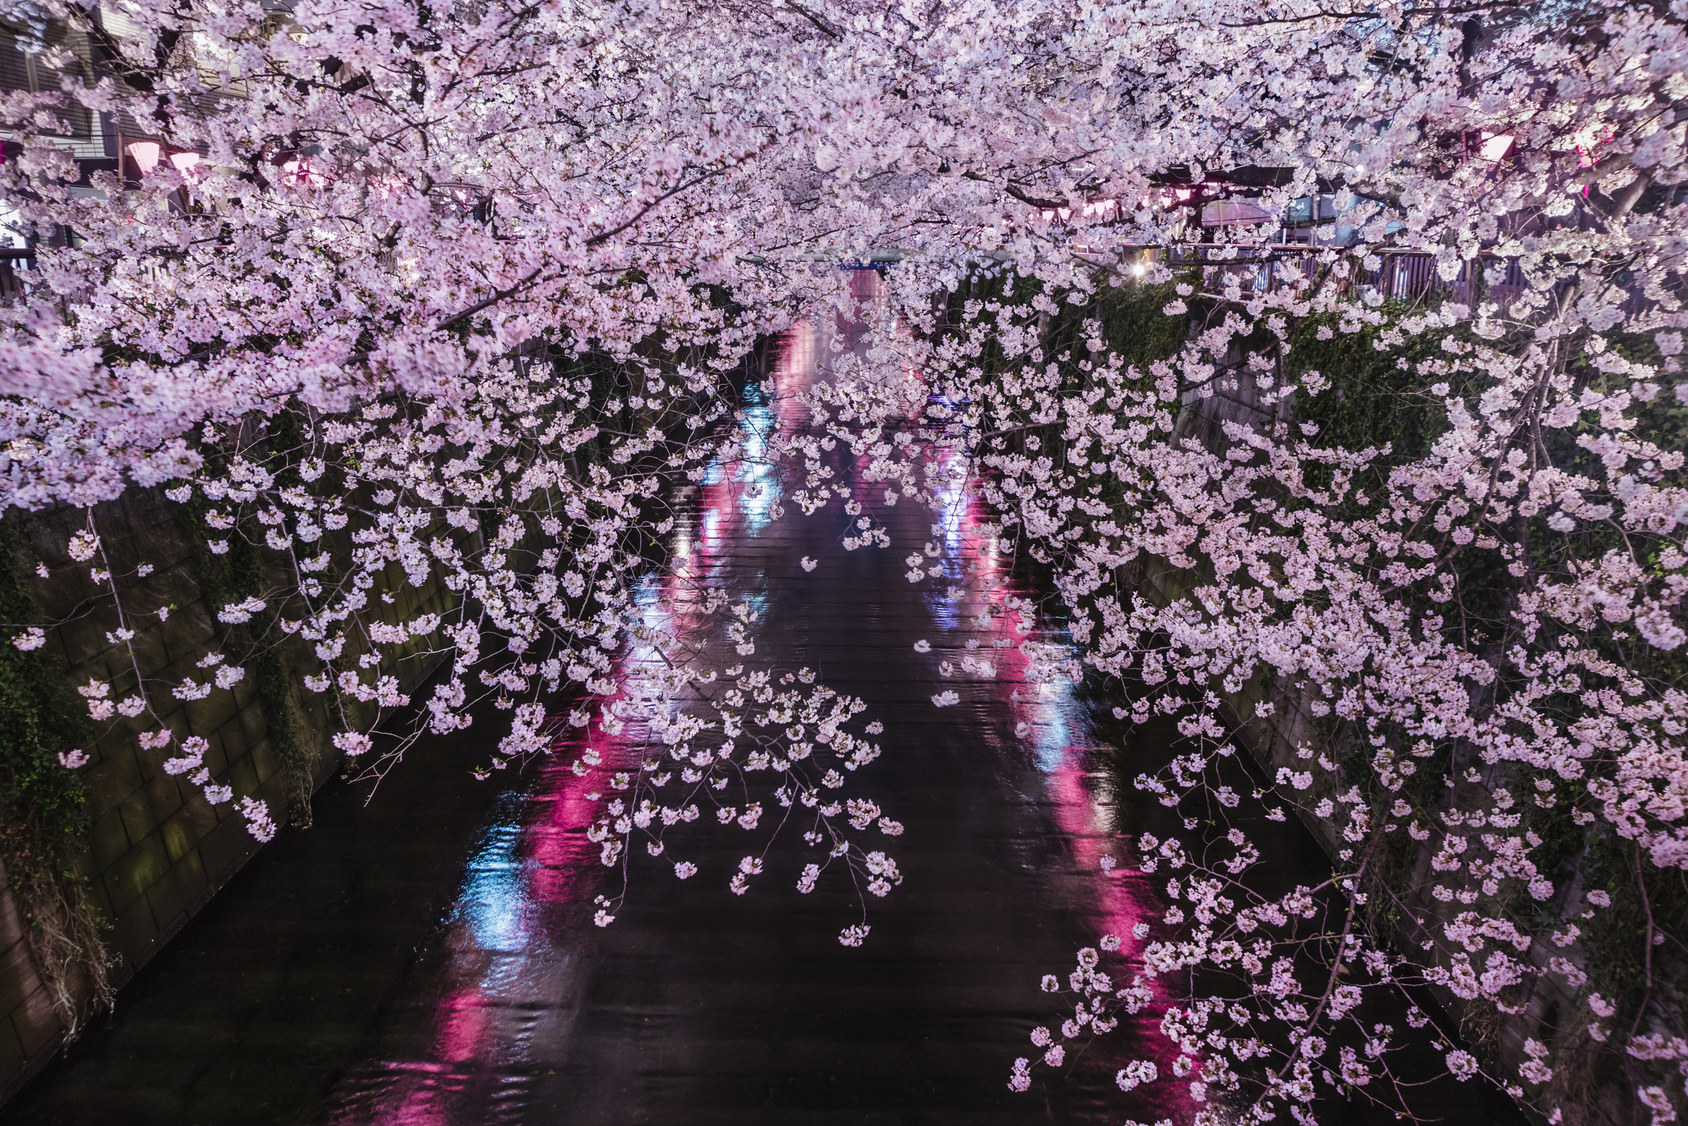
(228, 743)
(85, 639)
(177, 586)
(11, 924)
(123, 556)
(192, 633)
(151, 655)
(171, 897)
(173, 716)
(225, 848)
(274, 787)
(18, 978)
(63, 591)
(245, 690)
(245, 775)
(133, 936)
(113, 777)
(143, 506)
(13, 1061)
(212, 712)
(37, 1022)
(184, 829)
(251, 723)
(127, 880)
(160, 544)
(107, 840)
(150, 762)
(112, 518)
(111, 665)
(25, 1028)
(151, 806)
(49, 537)
(184, 665)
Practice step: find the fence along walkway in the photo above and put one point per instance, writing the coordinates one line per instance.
(1243, 271)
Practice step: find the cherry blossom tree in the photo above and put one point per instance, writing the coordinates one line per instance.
(466, 289)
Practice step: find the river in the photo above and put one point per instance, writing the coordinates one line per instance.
(429, 958)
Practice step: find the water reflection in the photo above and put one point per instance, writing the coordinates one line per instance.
(1032, 671)
(698, 1006)
(518, 940)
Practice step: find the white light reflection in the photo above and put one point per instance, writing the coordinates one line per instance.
(761, 488)
(522, 920)
(1054, 736)
(950, 526)
(1038, 675)
(494, 898)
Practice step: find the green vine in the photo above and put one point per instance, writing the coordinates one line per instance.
(44, 817)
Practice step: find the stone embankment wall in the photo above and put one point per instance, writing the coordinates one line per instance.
(157, 851)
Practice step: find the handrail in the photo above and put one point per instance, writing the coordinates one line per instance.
(1401, 273)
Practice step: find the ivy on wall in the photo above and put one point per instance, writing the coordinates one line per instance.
(44, 817)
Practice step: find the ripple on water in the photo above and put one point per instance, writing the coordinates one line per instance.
(462, 980)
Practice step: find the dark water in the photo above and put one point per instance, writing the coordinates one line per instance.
(430, 959)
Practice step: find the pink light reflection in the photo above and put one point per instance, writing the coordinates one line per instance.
(522, 913)
(461, 1026)
(1124, 897)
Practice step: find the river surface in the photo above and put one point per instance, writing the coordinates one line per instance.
(429, 958)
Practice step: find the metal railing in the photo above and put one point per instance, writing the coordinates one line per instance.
(1241, 272)
(15, 263)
